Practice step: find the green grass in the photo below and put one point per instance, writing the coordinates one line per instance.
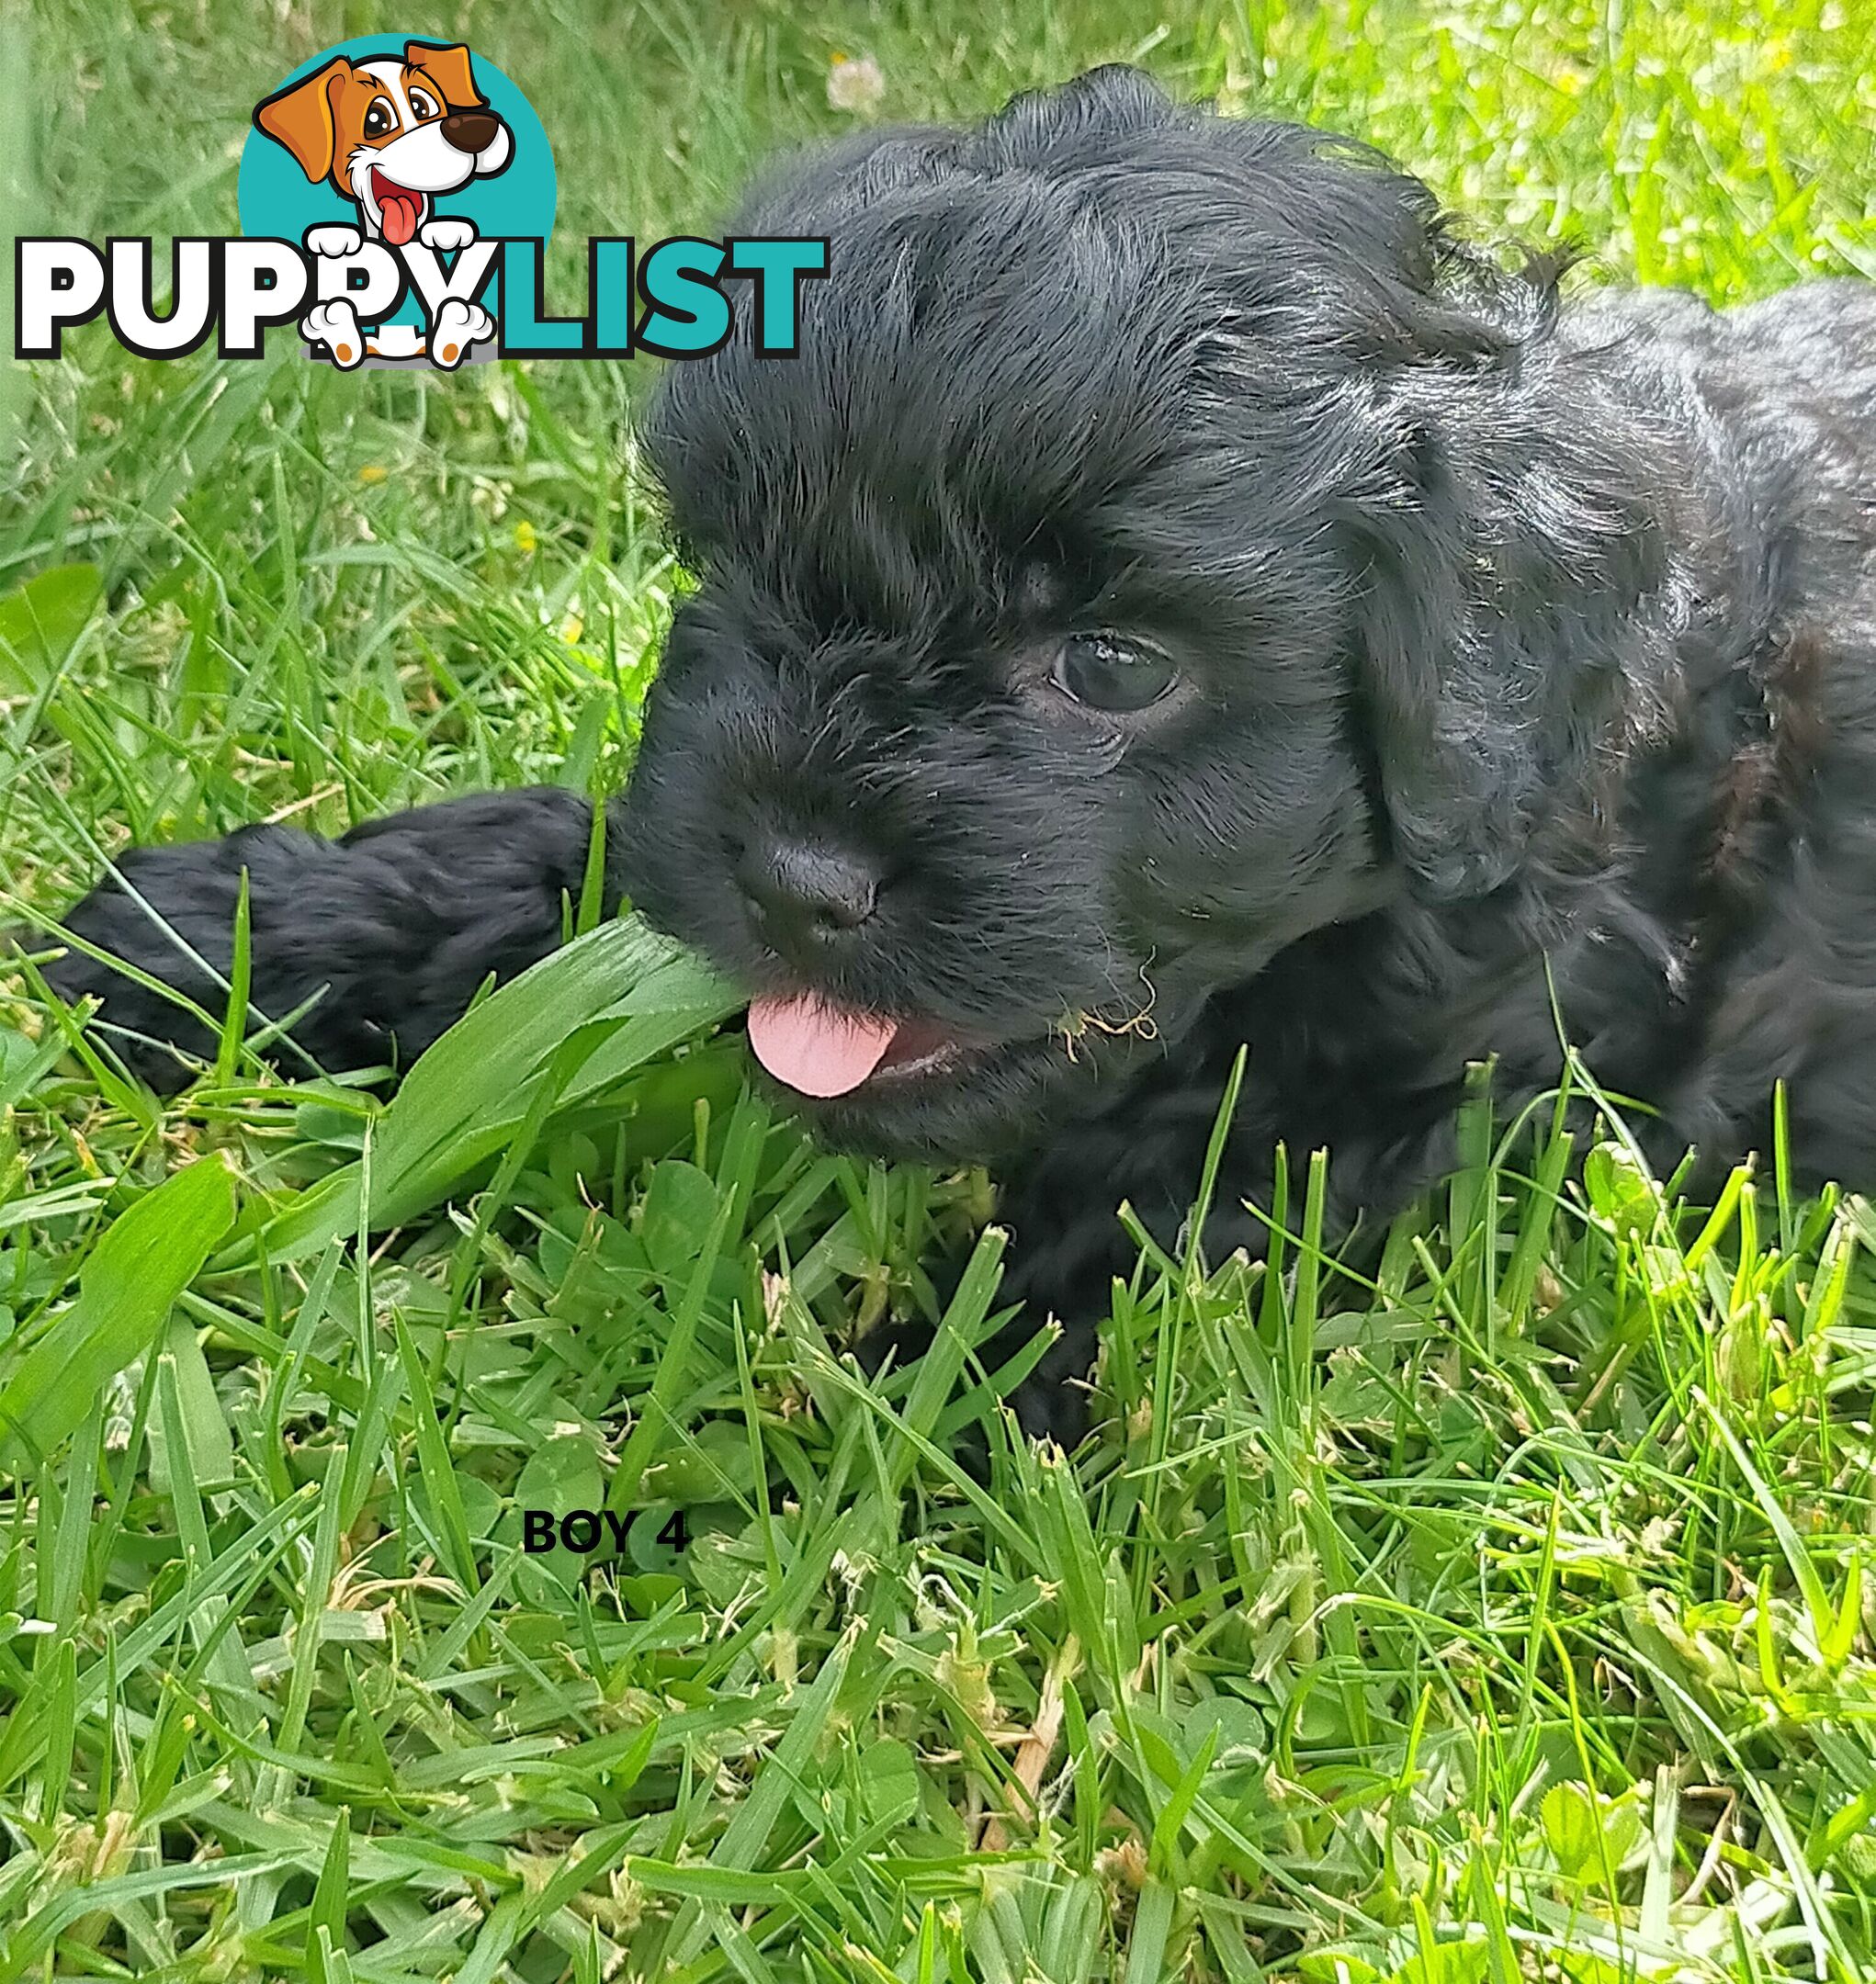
(1510, 1617)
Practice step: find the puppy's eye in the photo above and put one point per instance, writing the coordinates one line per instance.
(422, 104)
(379, 120)
(1106, 672)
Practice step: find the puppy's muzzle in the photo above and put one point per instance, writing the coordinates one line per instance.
(806, 895)
(471, 130)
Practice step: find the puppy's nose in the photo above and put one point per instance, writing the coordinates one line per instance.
(807, 894)
(471, 130)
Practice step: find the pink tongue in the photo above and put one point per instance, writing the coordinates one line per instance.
(399, 211)
(820, 1050)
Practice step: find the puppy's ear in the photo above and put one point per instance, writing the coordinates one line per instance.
(300, 117)
(1516, 591)
(1506, 517)
(448, 67)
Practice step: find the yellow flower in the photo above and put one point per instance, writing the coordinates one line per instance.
(373, 472)
(525, 538)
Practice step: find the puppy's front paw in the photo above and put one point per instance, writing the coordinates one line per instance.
(458, 325)
(335, 325)
(447, 236)
(335, 242)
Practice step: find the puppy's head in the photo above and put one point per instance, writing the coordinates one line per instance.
(391, 134)
(1168, 542)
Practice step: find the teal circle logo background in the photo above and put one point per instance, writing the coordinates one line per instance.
(274, 196)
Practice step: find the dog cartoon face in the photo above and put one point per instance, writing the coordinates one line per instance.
(390, 135)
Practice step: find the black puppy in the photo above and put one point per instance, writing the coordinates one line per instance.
(1182, 595)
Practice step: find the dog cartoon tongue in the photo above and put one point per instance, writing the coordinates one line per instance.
(401, 210)
(819, 1049)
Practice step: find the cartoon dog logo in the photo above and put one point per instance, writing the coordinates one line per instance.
(392, 136)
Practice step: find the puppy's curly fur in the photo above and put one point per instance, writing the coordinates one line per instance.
(1515, 645)
(370, 945)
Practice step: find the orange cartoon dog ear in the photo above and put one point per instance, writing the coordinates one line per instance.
(300, 117)
(448, 67)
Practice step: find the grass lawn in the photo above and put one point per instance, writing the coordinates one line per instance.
(1512, 1615)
